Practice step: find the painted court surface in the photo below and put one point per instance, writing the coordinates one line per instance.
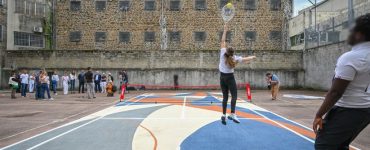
(173, 121)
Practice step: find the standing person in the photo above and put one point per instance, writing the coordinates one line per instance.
(103, 83)
(347, 104)
(31, 85)
(125, 79)
(65, 80)
(72, 79)
(274, 82)
(45, 83)
(89, 83)
(24, 83)
(54, 82)
(81, 85)
(228, 62)
(18, 77)
(38, 85)
(97, 80)
(13, 83)
(110, 77)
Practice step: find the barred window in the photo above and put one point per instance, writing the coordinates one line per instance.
(124, 5)
(250, 4)
(149, 36)
(200, 5)
(149, 5)
(100, 36)
(275, 4)
(75, 36)
(75, 5)
(175, 5)
(275, 35)
(100, 5)
(28, 39)
(223, 3)
(250, 35)
(19, 6)
(124, 37)
(175, 36)
(40, 9)
(200, 36)
(228, 36)
(36, 40)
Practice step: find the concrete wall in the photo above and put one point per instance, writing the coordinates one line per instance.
(319, 64)
(158, 67)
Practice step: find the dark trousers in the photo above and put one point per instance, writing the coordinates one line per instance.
(227, 82)
(45, 87)
(24, 89)
(73, 85)
(55, 86)
(97, 86)
(81, 87)
(341, 126)
(38, 91)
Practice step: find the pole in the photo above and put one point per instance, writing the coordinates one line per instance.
(350, 12)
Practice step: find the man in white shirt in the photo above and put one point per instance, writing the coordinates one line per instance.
(347, 104)
(24, 83)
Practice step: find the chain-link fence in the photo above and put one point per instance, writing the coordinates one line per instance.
(332, 30)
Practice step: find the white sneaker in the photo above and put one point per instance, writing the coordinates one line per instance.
(51, 98)
(234, 118)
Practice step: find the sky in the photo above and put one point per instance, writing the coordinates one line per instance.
(300, 4)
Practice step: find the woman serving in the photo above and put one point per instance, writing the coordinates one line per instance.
(228, 62)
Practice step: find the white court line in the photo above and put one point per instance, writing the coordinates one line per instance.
(60, 127)
(300, 135)
(173, 118)
(183, 108)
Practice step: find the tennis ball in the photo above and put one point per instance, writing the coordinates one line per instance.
(229, 5)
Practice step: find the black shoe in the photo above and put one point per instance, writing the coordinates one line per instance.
(223, 120)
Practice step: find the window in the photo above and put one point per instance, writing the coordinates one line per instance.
(297, 39)
(200, 5)
(175, 36)
(19, 6)
(275, 4)
(200, 36)
(149, 36)
(124, 5)
(1, 2)
(75, 36)
(223, 3)
(250, 35)
(149, 5)
(275, 35)
(40, 9)
(175, 5)
(75, 5)
(250, 4)
(124, 37)
(228, 36)
(1, 32)
(30, 8)
(100, 5)
(100, 36)
(28, 39)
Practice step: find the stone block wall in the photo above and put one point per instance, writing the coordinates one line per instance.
(187, 20)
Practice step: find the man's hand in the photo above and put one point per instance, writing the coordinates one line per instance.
(317, 124)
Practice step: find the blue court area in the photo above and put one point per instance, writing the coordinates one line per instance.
(173, 121)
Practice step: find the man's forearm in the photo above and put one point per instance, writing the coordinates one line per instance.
(331, 98)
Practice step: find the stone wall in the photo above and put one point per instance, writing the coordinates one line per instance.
(319, 64)
(186, 21)
(158, 67)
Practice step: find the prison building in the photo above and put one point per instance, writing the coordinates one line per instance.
(166, 24)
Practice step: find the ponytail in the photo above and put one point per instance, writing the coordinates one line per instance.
(229, 55)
